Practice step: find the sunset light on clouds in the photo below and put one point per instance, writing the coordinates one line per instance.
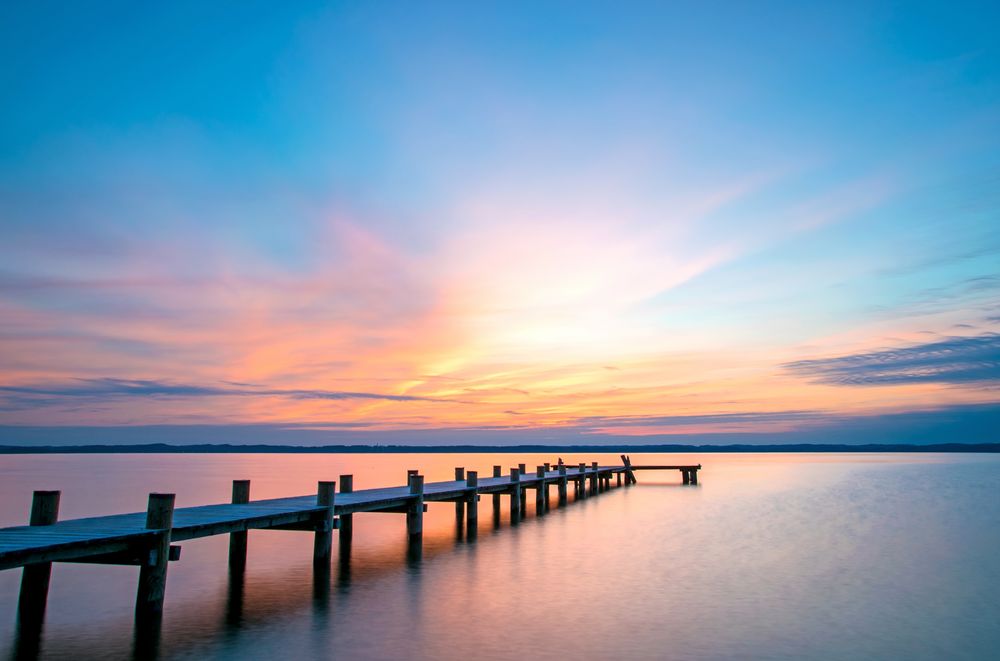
(403, 223)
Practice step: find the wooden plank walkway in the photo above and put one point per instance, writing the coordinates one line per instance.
(144, 539)
(65, 540)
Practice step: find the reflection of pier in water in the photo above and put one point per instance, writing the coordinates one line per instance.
(144, 540)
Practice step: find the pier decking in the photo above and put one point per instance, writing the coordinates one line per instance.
(144, 539)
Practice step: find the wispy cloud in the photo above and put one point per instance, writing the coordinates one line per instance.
(956, 360)
(144, 388)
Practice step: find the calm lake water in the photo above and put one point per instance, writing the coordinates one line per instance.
(772, 556)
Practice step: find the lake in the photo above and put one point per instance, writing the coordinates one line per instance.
(771, 556)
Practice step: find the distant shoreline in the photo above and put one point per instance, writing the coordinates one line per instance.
(226, 448)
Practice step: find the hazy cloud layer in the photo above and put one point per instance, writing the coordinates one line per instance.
(956, 360)
(142, 388)
(953, 424)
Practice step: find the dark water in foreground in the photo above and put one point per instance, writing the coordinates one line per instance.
(772, 556)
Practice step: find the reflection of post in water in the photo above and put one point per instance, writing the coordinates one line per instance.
(146, 638)
(321, 587)
(234, 596)
(344, 566)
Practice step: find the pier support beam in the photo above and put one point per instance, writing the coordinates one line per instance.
(238, 540)
(686, 475)
(35, 577)
(346, 529)
(516, 494)
(497, 472)
(323, 541)
(563, 480)
(694, 476)
(472, 504)
(459, 504)
(594, 479)
(540, 490)
(153, 572)
(415, 517)
(618, 479)
(415, 510)
(582, 481)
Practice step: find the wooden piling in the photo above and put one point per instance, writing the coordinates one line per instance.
(35, 577)
(694, 476)
(415, 510)
(515, 496)
(323, 540)
(582, 481)
(153, 571)
(472, 502)
(562, 484)
(593, 479)
(238, 539)
(540, 490)
(459, 504)
(346, 530)
(497, 472)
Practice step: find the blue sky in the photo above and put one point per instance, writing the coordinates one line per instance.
(516, 216)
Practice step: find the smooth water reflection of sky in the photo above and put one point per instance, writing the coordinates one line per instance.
(771, 556)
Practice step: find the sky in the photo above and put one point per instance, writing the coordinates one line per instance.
(499, 222)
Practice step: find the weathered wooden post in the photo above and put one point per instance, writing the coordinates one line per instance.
(548, 467)
(694, 474)
(582, 481)
(459, 504)
(35, 577)
(415, 510)
(618, 479)
(540, 490)
(594, 488)
(686, 475)
(497, 472)
(346, 533)
(515, 496)
(562, 484)
(153, 571)
(415, 519)
(472, 503)
(238, 539)
(323, 540)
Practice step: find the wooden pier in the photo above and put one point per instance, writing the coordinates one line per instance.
(147, 539)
